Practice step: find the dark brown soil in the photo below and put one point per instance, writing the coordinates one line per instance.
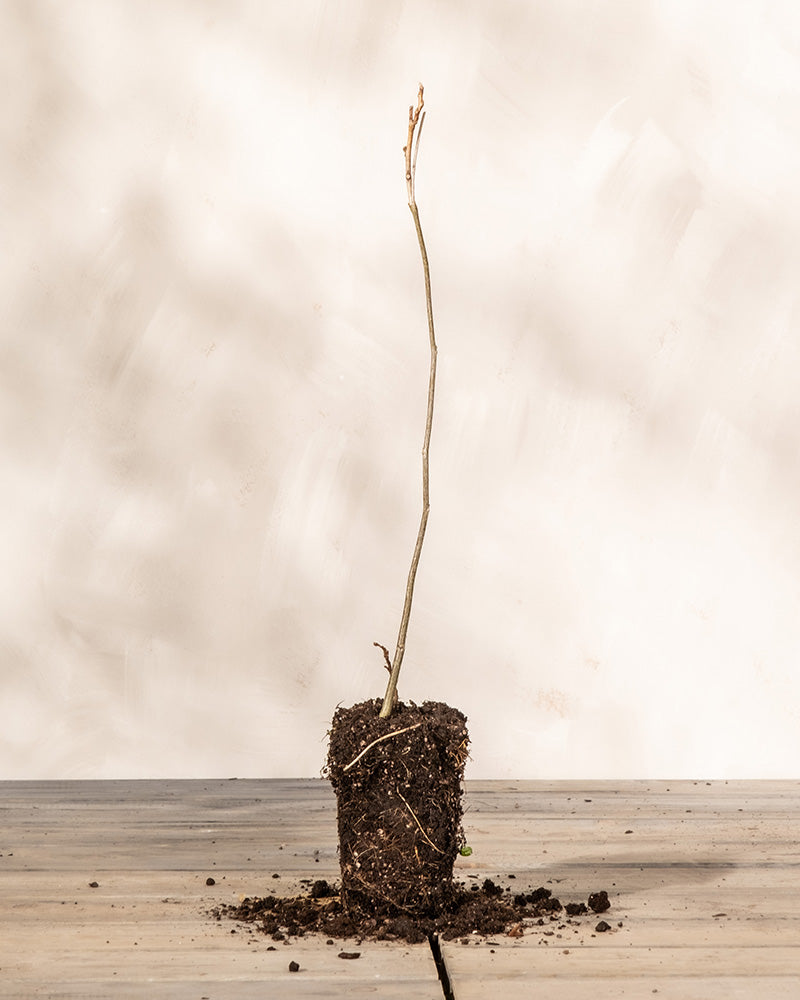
(484, 910)
(398, 792)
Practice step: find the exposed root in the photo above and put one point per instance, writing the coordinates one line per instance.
(380, 739)
(374, 890)
(461, 754)
(421, 829)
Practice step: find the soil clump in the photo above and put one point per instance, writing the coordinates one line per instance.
(484, 910)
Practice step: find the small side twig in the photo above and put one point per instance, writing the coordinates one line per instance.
(374, 889)
(380, 739)
(387, 661)
(388, 664)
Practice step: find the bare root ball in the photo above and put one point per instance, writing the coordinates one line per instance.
(398, 790)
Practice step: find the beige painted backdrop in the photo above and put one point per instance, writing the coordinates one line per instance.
(214, 364)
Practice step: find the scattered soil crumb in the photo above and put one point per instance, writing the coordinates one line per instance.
(479, 910)
(598, 902)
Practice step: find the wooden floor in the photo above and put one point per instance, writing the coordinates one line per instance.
(704, 879)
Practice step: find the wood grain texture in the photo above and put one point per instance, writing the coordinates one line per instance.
(706, 886)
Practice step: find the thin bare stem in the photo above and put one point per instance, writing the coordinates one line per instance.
(415, 118)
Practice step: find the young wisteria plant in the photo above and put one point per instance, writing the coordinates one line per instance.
(396, 767)
(416, 117)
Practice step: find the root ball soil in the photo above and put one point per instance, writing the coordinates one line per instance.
(398, 792)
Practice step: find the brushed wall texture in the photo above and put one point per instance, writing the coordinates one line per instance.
(214, 366)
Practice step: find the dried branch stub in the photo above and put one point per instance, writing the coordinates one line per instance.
(416, 116)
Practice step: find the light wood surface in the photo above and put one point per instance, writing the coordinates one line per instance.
(706, 886)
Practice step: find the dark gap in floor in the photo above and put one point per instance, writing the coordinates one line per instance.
(441, 968)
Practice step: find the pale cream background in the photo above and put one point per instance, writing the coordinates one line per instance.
(214, 363)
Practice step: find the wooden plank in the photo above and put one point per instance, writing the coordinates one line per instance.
(696, 850)
(631, 987)
(144, 930)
